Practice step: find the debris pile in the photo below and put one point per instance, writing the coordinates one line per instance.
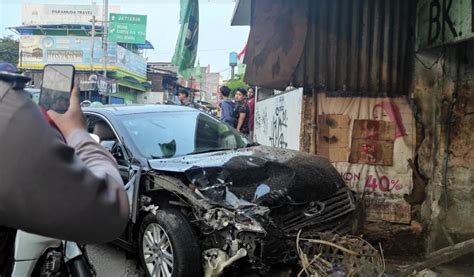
(336, 255)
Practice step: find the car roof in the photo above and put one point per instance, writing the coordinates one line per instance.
(137, 109)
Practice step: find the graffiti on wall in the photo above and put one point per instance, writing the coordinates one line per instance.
(279, 125)
(261, 120)
(278, 120)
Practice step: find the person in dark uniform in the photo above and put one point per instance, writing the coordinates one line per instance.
(54, 181)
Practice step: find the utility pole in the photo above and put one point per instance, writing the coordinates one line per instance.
(93, 34)
(92, 43)
(105, 22)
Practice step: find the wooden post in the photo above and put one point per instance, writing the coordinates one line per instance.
(441, 256)
(314, 124)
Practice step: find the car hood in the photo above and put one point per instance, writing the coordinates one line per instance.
(260, 174)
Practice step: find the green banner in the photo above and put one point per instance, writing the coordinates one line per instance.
(127, 28)
(186, 47)
(443, 22)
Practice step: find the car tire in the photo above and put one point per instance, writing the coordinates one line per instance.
(180, 247)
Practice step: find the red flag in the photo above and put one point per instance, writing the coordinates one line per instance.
(242, 53)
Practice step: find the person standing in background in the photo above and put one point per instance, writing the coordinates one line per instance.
(251, 104)
(227, 107)
(241, 111)
(183, 97)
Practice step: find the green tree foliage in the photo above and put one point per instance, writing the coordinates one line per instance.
(9, 49)
(234, 84)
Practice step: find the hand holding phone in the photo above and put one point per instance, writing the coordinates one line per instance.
(58, 81)
(73, 119)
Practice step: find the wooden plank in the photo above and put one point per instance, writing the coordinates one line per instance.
(440, 257)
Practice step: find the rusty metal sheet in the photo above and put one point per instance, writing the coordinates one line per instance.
(274, 47)
(359, 47)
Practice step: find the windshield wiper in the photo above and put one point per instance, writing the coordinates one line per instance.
(251, 144)
(211, 150)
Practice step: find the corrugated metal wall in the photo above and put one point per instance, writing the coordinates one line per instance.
(350, 47)
(358, 47)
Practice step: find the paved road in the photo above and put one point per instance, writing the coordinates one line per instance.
(111, 261)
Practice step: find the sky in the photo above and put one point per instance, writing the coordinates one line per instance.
(216, 37)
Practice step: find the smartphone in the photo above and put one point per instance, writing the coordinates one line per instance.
(58, 81)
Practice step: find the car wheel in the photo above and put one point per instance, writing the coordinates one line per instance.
(168, 246)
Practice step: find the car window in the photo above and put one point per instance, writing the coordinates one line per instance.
(107, 139)
(173, 134)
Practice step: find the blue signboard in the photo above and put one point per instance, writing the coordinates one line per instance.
(233, 59)
(37, 51)
(116, 100)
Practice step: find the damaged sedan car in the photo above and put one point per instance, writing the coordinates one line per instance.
(205, 198)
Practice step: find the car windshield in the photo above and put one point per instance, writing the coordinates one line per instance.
(174, 134)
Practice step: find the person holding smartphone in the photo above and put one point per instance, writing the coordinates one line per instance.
(55, 182)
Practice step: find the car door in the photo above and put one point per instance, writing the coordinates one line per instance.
(130, 173)
(111, 142)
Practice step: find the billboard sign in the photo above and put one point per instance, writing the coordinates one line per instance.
(36, 14)
(127, 28)
(37, 51)
(443, 22)
(130, 61)
(65, 56)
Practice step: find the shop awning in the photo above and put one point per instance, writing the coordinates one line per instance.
(145, 46)
(133, 83)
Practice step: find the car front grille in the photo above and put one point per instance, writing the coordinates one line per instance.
(327, 215)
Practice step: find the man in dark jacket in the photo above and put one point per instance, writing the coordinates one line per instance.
(68, 189)
(241, 111)
(227, 107)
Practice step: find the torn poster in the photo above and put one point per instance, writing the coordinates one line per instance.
(380, 140)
